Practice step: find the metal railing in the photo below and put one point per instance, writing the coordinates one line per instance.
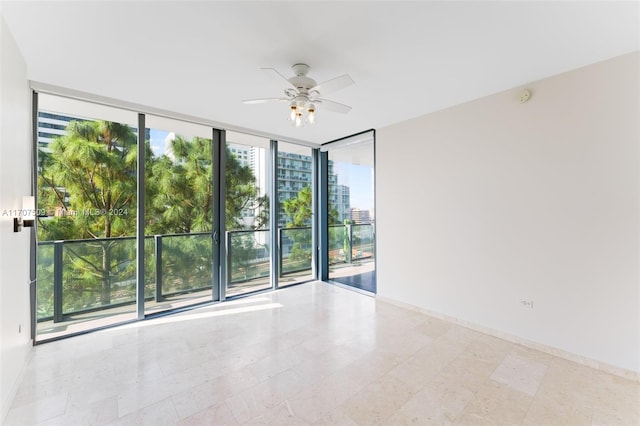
(82, 276)
(351, 242)
(296, 248)
(247, 255)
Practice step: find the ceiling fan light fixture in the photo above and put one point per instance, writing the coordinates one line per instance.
(311, 113)
(301, 112)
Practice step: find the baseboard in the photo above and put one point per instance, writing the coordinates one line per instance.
(560, 353)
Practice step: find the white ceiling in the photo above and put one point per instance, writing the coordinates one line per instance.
(407, 58)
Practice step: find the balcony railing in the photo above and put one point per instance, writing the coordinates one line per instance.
(348, 243)
(81, 276)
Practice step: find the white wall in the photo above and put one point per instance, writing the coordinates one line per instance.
(15, 161)
(536, 201)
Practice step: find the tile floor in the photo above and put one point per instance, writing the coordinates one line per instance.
(311, 354)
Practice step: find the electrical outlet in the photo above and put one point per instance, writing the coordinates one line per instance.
(527, 303)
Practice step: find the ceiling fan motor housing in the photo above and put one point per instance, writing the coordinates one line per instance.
(302, 83)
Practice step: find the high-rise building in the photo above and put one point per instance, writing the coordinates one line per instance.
(240, 152)
(294, 174)
(51, 126)
(343, 203)
(359, 216)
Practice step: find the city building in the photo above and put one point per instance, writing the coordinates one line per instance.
(359, 216)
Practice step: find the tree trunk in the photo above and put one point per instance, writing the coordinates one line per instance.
(105, 297)
(106, 259)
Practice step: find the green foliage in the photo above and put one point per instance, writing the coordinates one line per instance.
(186, 263)
(242, 196)
(336, 244)
(300, 209)
(87, 183)
(346, 246)
(299, 257)
(179, 191)
(89, 176)
(246, 249)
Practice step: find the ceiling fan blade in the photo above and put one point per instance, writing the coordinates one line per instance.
(265, 100)
(275, 74)
(333, 85)
(333, 106)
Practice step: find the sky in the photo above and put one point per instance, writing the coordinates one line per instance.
(359, 179)
(157, 141)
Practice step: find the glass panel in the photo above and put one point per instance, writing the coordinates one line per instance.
(87, 216)
(295, 195)
(178, 214)
(44, 288)
(249, 262)
(351, 212)
(247, 213)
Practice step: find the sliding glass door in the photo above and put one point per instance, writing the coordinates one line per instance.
(350, 186)
(295, 214)
(86, 193)
(247, 211)
(179, 214)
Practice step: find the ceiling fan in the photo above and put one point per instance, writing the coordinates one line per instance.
(303, 94)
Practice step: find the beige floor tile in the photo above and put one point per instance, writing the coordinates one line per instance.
(37, 411)
(377, 401)
(312, 354)
(337, 418)
(323, 397)
(263, 397)
(519, 373)
(546, 410)
(438, 403)
(216, 415)
(496, 403)
(96, 413)
(162, 413)
(213, 392)
(282, 414)
(433, 327)
(470, 376)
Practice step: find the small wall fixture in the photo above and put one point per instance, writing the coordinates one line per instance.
(525, 95)
(27, 216)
